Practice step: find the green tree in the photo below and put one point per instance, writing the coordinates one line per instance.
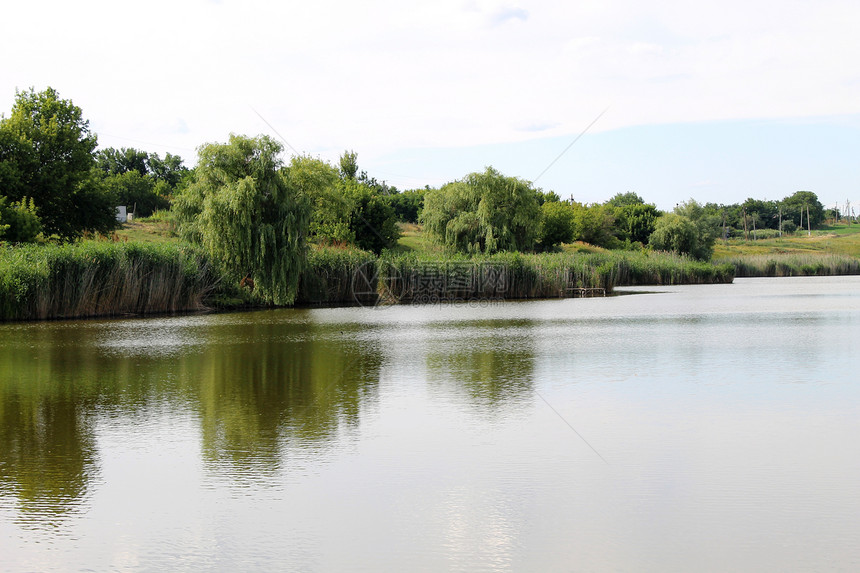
(46, 154)
(559, 224)
(141, 193)
(625, 200)
(407, 205)
(371, 218)
(635, 222)
(118, 161)
(170, 170)
(594, 224)
(349, 164)
(20, 220)
(675, 233)
(484, 212)
(249, 214)
(796, 206)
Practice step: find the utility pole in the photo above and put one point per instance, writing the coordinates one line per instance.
(780, 221)
(808, 224)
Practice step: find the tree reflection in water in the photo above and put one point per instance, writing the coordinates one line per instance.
(262, 385)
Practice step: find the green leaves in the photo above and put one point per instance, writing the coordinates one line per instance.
(484, 213)
(46, 154)
(249, 215)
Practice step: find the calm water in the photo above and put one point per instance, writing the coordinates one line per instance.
(708, 428)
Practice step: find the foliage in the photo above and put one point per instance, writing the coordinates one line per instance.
(796, 206)
(691, 229)
(407, 205)
(484, 213)
(558, 224)
(594, 224)
(547, 197)
(349, 164)
(21, 223)
(316, 180)
(249, 216)
(344, 210)
(46, 154)
(141, 193)
(371, 218)
(634, 222)
(169, 170)
(677, 234)
(628, 199)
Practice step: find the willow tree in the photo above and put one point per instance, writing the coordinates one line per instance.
(245, 211)
(484, 213)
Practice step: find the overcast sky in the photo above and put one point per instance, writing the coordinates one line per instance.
(713, 100)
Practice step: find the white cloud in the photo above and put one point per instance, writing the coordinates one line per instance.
(381, 75)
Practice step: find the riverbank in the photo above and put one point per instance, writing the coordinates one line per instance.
(103, 278)
(146, 270)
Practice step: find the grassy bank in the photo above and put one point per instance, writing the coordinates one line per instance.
(102, 279)
(832, 250)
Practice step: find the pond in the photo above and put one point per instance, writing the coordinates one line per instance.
(702, 428)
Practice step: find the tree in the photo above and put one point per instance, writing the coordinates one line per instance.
(170, 170)
(625, 200)
(407, 205)
(142, 193)
(691, 230)
(558, 224)
(634, 222)
(349, 164)
(371, 219)
(484, 212)
(594, 224)
(20, 220)
(797, 205)
(249, 214)
(675, 233)
(46, 154)
(118, 161)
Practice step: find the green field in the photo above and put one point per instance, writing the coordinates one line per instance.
(836, 239)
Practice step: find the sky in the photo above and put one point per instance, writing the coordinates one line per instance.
(716, 101)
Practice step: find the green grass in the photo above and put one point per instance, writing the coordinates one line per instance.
(830, 250)
(839, 239)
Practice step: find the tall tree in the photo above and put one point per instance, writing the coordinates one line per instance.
(249, 214)
(46, 153)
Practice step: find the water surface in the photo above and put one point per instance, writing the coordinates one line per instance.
(702, 428)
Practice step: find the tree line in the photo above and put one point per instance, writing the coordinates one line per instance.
(254, 210)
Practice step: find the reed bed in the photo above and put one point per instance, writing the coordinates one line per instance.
(337, 275)
(661, 268)
(793, 265)
(102, 279)
(414, 278)
(107, 279)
